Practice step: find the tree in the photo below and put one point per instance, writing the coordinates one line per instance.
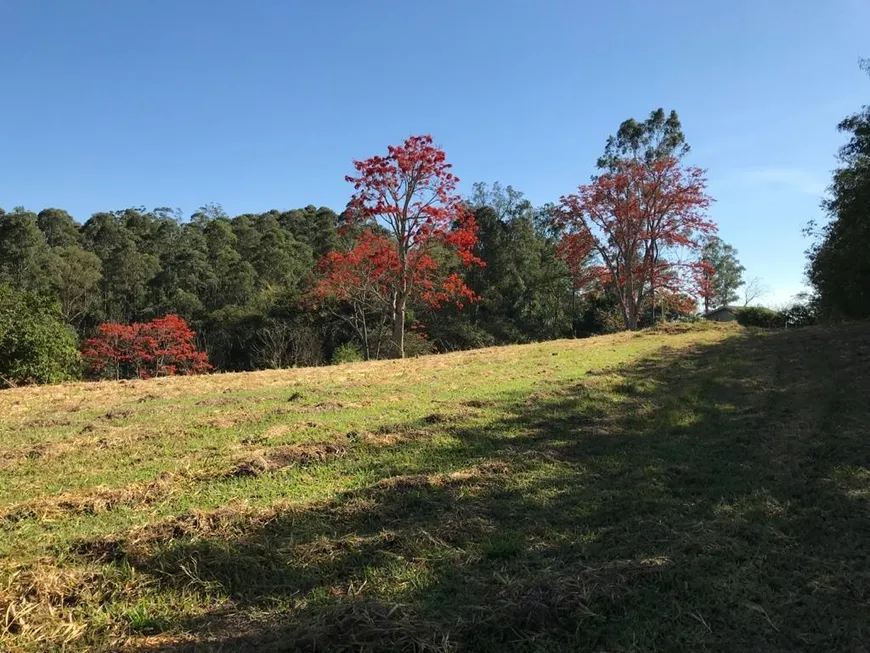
(162, 347)
(754, 289)
(632, 217)
(719, 274)
(508, 203)
(120, 240)
(355, 287)
(524, 289)
(234, 278)
(35, 345)
(59, 228)
(412, 192)
(77, 282)
(839, 265)
(282, 343)
(641, 215)
(25, 258)
(313, 226)
(658, 137)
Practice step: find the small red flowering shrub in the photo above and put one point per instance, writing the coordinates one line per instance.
(162, 347)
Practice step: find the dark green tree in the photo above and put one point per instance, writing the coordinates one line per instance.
(839, 263)
(25, 258)
(658, 136)
(313, 226)
(59, 227)
(127, 270)
(723, 272)
(35, 345)
(76, 283)
(233, 278)
(278, 258)
(525, 289)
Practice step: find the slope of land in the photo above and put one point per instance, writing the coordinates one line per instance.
(677, 489)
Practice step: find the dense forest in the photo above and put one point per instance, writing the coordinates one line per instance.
(244, 282)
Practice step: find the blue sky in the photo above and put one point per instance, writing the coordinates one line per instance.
(264, 104)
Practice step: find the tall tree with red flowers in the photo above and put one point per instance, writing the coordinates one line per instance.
(412, 193)
(643, 216)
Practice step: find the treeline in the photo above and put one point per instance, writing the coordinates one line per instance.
(408, 267)
(243, 283)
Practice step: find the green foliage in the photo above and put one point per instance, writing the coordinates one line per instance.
(758, 316)
(59, 227)
(600, 314)
(242, 283)
(417, 344)
(658, 136)
(727, 273)
(76, 283)
(524, 289)
(800, 314)
(347, 352)
(839, 265)
(25, 258)
(35, 345)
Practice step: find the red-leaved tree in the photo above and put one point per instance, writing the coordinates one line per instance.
(704, 276)
(643, 221)
(357, 285)
(162, 347)
(412, 193)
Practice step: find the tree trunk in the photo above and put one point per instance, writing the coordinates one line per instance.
(631, 314)
(365, 333)
(399, 302)
(573, 309)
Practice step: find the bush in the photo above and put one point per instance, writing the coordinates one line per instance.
(454, 335)
(758, 316)
(417, 344)
(347, 352)
(162, 347)
(799, 315)
(35, 345)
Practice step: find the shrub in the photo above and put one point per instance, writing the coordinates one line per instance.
(417, 344)
(799, 315)
(454, 334)
(347, 352)
(35, 345)
(162, 347)
(758, 316)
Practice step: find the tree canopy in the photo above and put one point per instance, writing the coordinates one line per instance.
(839, 265)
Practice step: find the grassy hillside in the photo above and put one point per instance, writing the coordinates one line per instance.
(669, 490)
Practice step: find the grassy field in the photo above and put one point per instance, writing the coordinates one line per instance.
(676, 489)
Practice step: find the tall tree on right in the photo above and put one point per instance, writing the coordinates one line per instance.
(644, 217)
(839, 264)
(719, 275)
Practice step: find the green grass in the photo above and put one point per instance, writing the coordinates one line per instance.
(699, 488)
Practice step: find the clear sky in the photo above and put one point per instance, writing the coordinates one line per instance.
(261, 104)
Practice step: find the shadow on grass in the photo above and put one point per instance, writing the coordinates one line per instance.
(715, 499)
